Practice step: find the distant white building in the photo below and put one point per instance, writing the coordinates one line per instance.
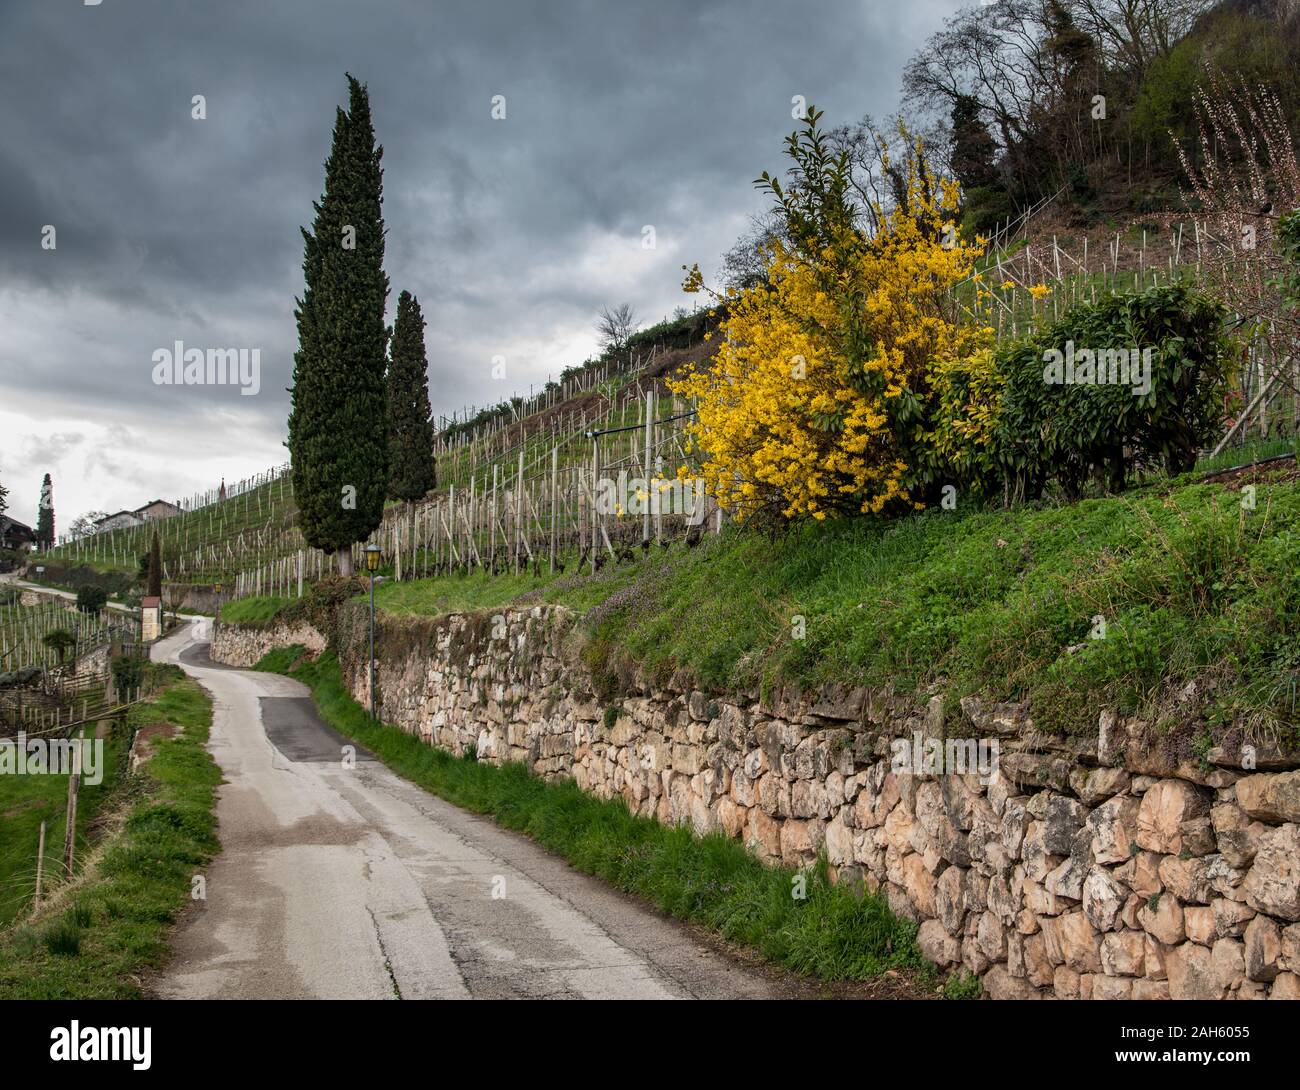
(119, 520)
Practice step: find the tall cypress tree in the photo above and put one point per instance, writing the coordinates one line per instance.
(45, 515)
(338, 440)
(411, 470)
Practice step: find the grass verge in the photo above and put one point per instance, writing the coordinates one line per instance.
(96, 936)
(26, 801)
(830, 933)
(253, 610)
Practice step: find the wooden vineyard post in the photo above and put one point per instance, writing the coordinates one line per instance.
(70, 822)
(555, 466)
(519, 507)
(595, 517)
(40, 865)
(492, 529)
(645, 470)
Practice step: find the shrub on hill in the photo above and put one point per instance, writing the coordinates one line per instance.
(1133, 381)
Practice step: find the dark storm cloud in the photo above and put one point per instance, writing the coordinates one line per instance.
(619, 115)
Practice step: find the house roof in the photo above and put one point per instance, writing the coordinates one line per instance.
(6, 523)
(151, 503)
(114, 515)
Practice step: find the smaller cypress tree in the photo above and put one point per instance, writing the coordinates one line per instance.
(155, 567)
(45, 516)
(411, 470)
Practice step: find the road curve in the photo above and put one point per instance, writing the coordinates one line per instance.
(337, 882)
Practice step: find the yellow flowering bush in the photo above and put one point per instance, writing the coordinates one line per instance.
(817, 401)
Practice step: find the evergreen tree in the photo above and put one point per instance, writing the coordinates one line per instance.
(45, 516)
(338, 441)
(155, 568)
(973, 149)
(411, 470)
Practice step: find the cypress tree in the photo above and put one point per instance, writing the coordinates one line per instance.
(973, 149)
(338, 441)
(411, 470)
(45, 516)
(155, 567)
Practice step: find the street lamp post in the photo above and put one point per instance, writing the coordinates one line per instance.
(373, 553)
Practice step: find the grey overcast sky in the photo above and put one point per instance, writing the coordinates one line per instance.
(512, 232)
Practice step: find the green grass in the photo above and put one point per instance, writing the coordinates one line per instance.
(832, 934)
(26, 801)
(253, 610)
(995, 603)
(1250, 451)
(96, 940)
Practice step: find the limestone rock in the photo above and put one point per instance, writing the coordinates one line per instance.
(1114, 828)
(1098, 784)
(1286, 986)
(919, 884)
(1000, 984)
(1291, 946)
(1198, 923)
(1064, 819)
(1164, 920)
(1263, 949)
(1123, 953)
(1111, 987)
(1071, 940)
(1187, 879)
(800, 840)
(973, 957)
(1230, 917)
(937, 944)
(1065, 983)
(1039, 967)
(1236, 836)
(1273, 883)
(1197, 836)
(1039, 862)
(1142, 874)
(950, 899)
(1273, 797)
(1150, 989)
(1153, 960)
(1194, 973)
(1102, 899)
(1163, 810)
(1229, 959)
(991, 936)
(763, 835)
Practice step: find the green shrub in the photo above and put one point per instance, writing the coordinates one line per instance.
(1053, 420)
(91, 599)
(128, 672)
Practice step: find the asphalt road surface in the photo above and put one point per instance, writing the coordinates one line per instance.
(349, 882)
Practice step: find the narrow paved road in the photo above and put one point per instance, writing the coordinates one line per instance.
(338, 882)
(68, 596)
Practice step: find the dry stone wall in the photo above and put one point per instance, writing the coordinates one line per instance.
(1110, 867)
(245, 645)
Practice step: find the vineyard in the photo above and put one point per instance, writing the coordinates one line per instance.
(24, 632)
(586, 470)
